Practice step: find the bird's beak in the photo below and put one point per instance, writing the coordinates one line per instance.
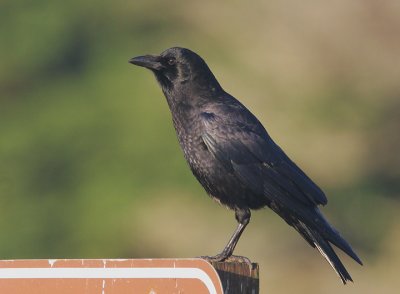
(147, 61)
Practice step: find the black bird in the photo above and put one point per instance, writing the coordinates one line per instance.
(233, 157)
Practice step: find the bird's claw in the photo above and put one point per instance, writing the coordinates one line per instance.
(237, 258)
(233, 258)
(215, 258)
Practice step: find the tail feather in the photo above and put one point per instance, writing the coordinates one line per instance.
(317, 231)
(321, 243)
(327, 251)
(333, 236)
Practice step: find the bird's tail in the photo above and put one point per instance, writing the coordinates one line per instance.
(315, 239)
(322, 239)
(333, 236)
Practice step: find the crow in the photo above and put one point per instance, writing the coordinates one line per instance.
(235, 160)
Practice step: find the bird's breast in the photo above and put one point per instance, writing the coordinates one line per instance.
(219, 182)
(189, 132)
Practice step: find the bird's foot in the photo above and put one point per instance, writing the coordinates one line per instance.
(216, 258)
(232, 258)
(237, 258)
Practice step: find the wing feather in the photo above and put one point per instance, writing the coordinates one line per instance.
(257, 160)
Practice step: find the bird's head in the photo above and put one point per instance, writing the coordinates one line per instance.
(179, 69)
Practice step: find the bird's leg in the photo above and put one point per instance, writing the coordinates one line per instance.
(243, 218)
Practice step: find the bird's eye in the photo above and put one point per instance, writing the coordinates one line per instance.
(171, 61)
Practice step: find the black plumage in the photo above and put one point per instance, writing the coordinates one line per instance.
(234, 158)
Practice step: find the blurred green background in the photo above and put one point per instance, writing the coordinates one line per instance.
(89, 162)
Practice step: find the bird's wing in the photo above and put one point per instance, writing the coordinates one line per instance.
(257, 160)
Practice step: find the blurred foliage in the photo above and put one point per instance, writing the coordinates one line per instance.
(89, 162)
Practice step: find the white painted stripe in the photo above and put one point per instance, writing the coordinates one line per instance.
(109, 273)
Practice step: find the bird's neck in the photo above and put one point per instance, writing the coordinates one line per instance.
(179, 103)
(192, 93)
